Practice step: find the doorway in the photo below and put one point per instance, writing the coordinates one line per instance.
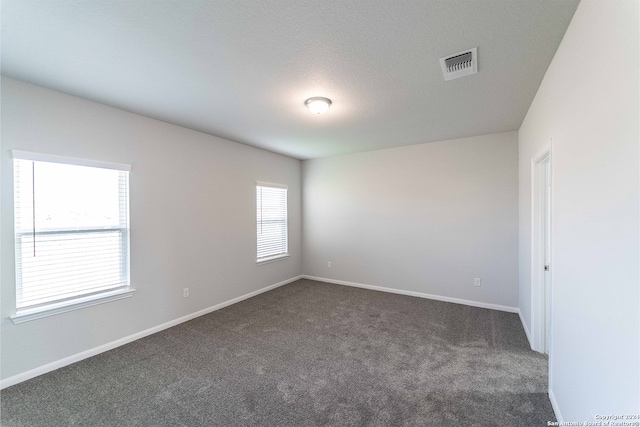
(541, 251)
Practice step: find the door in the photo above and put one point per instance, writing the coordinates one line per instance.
(541, 252)
(547, 251)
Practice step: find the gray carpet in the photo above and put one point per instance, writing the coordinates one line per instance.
(305, 354)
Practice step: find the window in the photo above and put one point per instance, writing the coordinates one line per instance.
(271, 202)
(71, 234)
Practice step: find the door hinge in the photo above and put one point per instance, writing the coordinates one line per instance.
(546, 268)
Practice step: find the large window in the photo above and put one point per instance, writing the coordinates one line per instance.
(271, 203)
(71, 233)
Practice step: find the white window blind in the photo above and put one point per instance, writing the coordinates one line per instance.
(71, 230)
(271, 202)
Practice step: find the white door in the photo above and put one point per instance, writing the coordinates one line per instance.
(541, 252)
(547, 252)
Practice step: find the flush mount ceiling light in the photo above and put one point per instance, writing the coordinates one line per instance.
(318, 104)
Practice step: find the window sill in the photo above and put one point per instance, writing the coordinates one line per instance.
(272, 259)
(29, 314)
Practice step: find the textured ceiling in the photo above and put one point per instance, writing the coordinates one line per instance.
(242, 69)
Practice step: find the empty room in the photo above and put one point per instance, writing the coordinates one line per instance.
(301, 213)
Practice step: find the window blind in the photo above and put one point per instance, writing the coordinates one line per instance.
(71, 231)
(271, 202)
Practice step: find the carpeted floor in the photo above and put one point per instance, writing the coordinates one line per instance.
(305, 354)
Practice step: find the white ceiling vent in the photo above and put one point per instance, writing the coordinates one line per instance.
(460, 64)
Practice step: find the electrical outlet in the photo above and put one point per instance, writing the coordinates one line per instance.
(477, 281)
(185, 292)
(329, 264)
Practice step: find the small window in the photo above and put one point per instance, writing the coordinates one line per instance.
(71, 233)
(271, 202)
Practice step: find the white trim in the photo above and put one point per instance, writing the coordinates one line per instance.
(416, 294)
(544, 152)
(554, 405)
(29, 314)
(526, 329)
(272, 258)
(271, 184)
(538, 300)
(117, 343)
(40, 157)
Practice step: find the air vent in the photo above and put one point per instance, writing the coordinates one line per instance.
(460, 64)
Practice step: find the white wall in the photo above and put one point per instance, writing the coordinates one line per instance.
(424, 218)
(588, 104)
(192, 219)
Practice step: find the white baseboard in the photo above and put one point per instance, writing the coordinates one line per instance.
(117, 343)
(416, 294)
(554, 405)
(125, 340)
(526, 329)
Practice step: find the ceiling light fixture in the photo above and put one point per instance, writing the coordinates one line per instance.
(318, 104)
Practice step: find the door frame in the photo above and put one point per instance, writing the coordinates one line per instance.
(540, 297)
